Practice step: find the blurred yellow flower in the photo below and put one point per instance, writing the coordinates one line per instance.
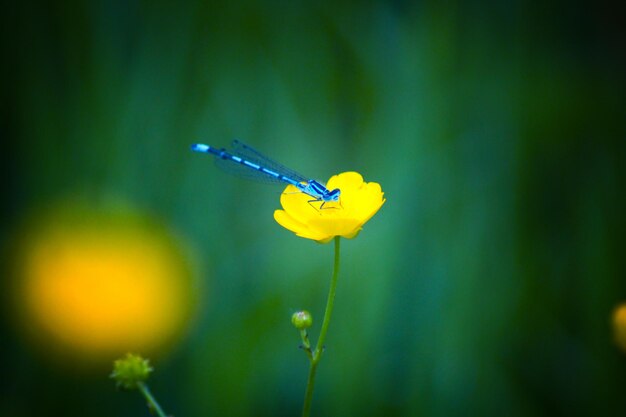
(619, 326)
(99, 283)
(359, 201)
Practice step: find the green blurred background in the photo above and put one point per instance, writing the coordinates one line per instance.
(484, 286)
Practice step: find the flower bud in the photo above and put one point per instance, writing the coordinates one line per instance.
(302, 319)
(131, 370)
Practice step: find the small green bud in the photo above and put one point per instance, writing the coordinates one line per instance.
(131, 370)
(302, 319)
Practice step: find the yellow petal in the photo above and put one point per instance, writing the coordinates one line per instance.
(301, 229)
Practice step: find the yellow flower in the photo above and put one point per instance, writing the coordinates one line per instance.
(96, 282)
(359, 201)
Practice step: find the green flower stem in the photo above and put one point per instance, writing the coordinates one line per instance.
(152, 402)
(319, 348)
(306, 345)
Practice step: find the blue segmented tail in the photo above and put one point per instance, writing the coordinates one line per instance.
(246, 161)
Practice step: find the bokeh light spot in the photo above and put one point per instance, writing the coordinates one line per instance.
(619, 326)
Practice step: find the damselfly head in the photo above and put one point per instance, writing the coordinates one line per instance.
(333, 195)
